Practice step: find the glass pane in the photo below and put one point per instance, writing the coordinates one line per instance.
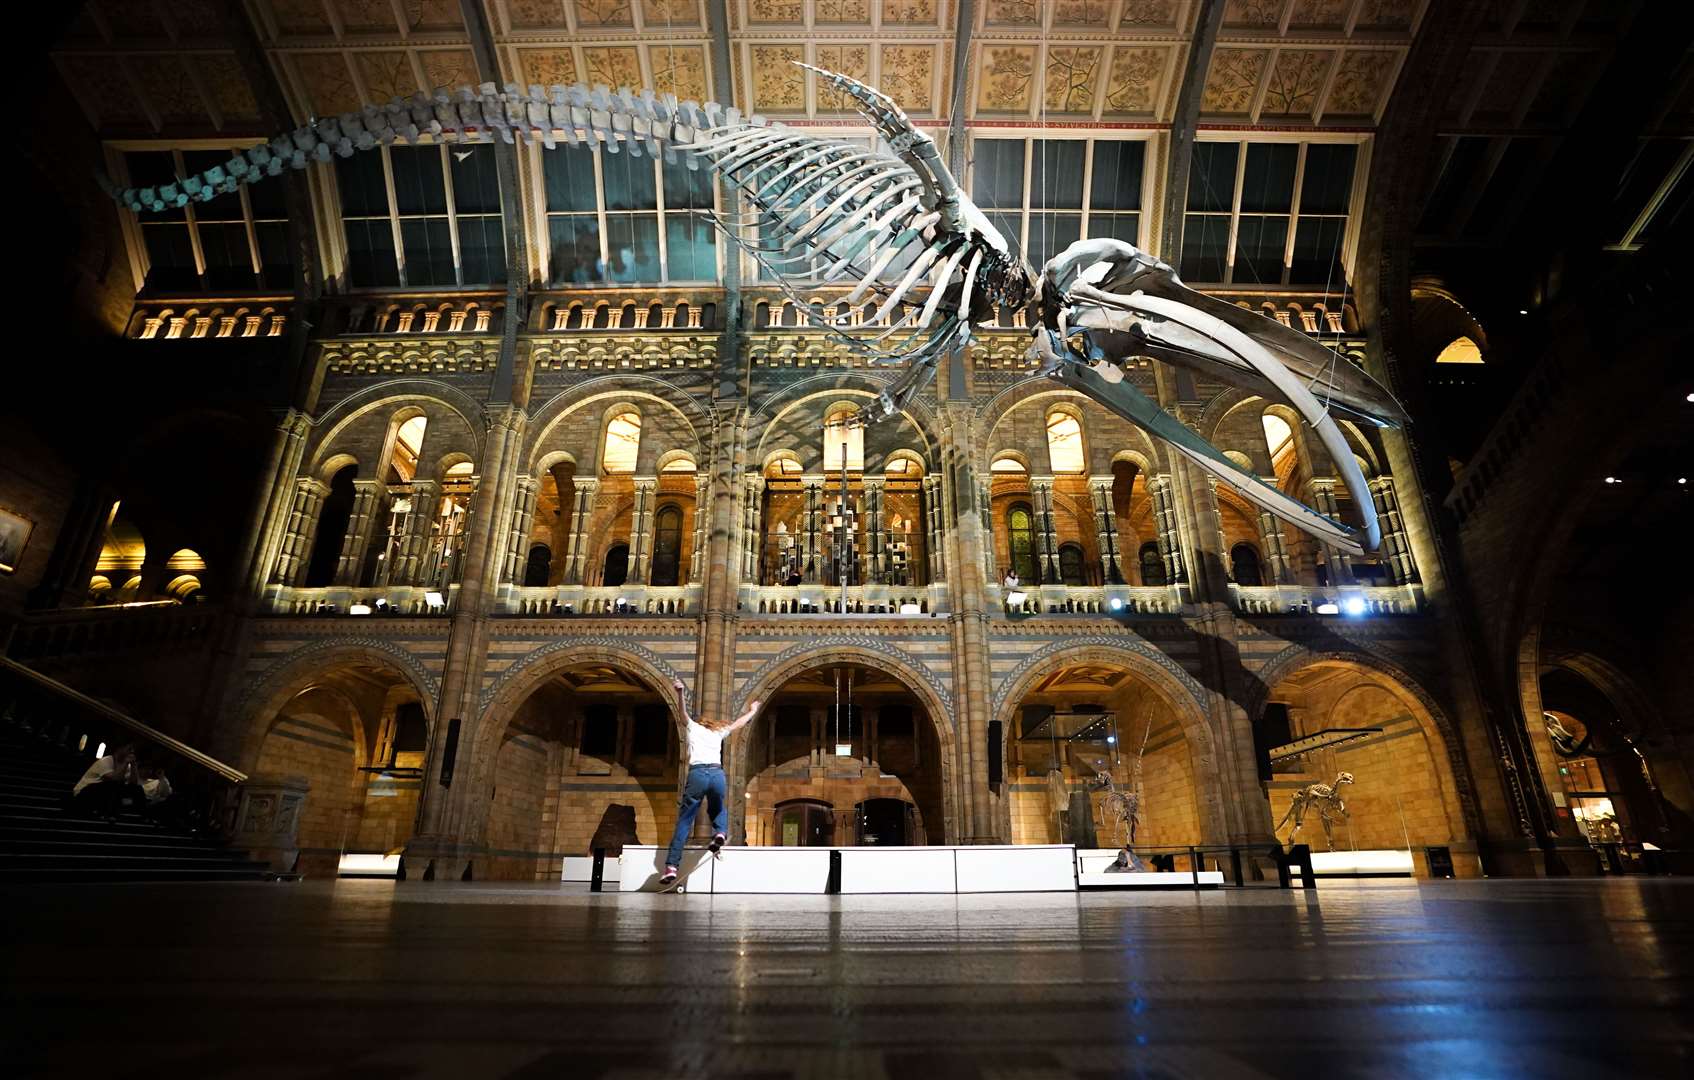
(428, 244)
(997, 177)
(229, 264)
(1125, 227)
(1211, 176)
(573, 249)
(226, 207)
(152, 168)
(632, 246)
(629, 182)
(269, 198)
(482, 249)
(1317, 251)
(1327, 187)
(1009, 224)
(687, 188)
(1205, 238)
(418, 184)
(364, 191)
(1116, 184)
(276, 255)
(1268, 183)
(692, 247)
(1258, 250)
(1050, 234)
(170, 257)
(1055, 179)
(568, 173)
(370, 252)
(476, 186)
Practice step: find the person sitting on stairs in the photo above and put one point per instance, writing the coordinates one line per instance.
(109, 781)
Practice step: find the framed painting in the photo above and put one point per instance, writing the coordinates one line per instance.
(14, 536)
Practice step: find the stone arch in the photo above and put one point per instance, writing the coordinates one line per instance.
(519, 681)
(399, 392)
(853, 384)
(906, 669)
(628, 388)
(298, 670)
(1402, 684)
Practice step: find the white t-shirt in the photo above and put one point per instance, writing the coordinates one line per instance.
(705, 746)
(102, 768)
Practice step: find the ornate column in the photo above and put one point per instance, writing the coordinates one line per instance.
(1396, 546)
(517, 539)
(409, 551)
(1164, 518)
(1323, 501)
(576, 549)
(1278, 569)
(1042, 487)
(876, 544)
(813, 572)
(264, 540)
(933, 536)
(752, 527)
(1106, 526)
(301, 529)
(641, 528)
(356, 541)
(697, 552)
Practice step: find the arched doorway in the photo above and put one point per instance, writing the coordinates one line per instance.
(1077, 725)
(592, 749)
(1606, 765)
(832, 740)
(358, 733)
(1368, 724)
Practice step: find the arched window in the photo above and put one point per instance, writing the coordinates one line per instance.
(617, 565)
(1071, 564)
(1244, 565)
(332, 529)
(623, 441)
(1020, 530)
(1006, 463)
(838, 435)
(1152, 564)
(1064, 442)
(1279, 437)
(1461, 350)
(667, 546)
(408, 442)
(539, 567)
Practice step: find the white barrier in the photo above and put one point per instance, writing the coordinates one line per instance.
(1010, 868)
(1372, 863)
(1017, 868)
(368, 864)
(579, 870)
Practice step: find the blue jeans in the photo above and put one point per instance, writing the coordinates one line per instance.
(704, 782)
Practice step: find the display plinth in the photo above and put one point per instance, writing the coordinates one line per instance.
(864, 870)
(1374, 863)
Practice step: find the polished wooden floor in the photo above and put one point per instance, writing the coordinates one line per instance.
(368, 979)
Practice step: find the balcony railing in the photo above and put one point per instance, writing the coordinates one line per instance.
(1090, 599)
(364, 600)
(603, 600)
(817, 599)
(116, 628)
(1354, 600)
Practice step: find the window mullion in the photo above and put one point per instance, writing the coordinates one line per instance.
(452, 217)
(393, 214)
(1087, 185)
(1235, 214)
(659, 211)
(600, 211)
(193, 222)
(1023, 217)
(252, 229)
(1293, 214)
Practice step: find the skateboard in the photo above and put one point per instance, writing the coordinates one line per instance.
(714, 849)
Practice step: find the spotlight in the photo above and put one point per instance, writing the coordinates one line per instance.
(1329, 608)
(1611, 480)
(1117, 603)
(359, 609)
(1690, 397)
(1523, 311)
(1111, 740)
(1353, 605)
(1682, 479)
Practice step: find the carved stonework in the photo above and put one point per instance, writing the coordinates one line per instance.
(267, 820)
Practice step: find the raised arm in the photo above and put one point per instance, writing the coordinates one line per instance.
(752, 711)
(682, 699)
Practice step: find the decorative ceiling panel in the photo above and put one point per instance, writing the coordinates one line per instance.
(1006, 80)
(1252, 14)
(1072, 77)
(1389, 15)
(448, 67)
(1319, 15)
(432, 16)
(1084, 14)
(548, 67)
(679, 70)
(1136, 84)
(778, 85)
(1149, 14)
(1016, 14)
(854, 61)
(299, 18)
(910, 12)
(1233, 80)
(613, 65)
(226, 84)
(671, 14)
(367, 16)
(841, 12)
(778, 12)
(604, 14)
(1361, 82)
(169, 89)
(907, 75)
(535, 15)
(327, 82)
(104, 89)
(1296, 80)
(386, 75)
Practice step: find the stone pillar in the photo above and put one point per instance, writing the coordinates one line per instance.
(1323, 501)
(876, 543)
(641, 528)
(76, 551)
(409, 551)
(266, 533)
(813, 572)
(302, 527)
(933, 539)
(697, 551)
(356, 540)
(1278, 569)
(820, 734)
(985, 523)
(1042, 487)
(576, 549)
(1396, 546)
(517, 538)
(1106, 527)
(752, 528)
(1169, 530)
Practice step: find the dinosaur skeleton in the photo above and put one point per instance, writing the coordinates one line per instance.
(1326, 798)
(1124, 807)
(919, 252)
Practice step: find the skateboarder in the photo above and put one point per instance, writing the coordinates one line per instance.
(705, 781)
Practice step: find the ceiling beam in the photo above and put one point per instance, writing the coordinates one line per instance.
(1184, 119)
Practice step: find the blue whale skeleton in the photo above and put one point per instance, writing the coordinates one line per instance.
(897, 225)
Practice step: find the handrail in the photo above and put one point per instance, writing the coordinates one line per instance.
(205, 761)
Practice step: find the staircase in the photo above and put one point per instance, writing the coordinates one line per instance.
(42, 839)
